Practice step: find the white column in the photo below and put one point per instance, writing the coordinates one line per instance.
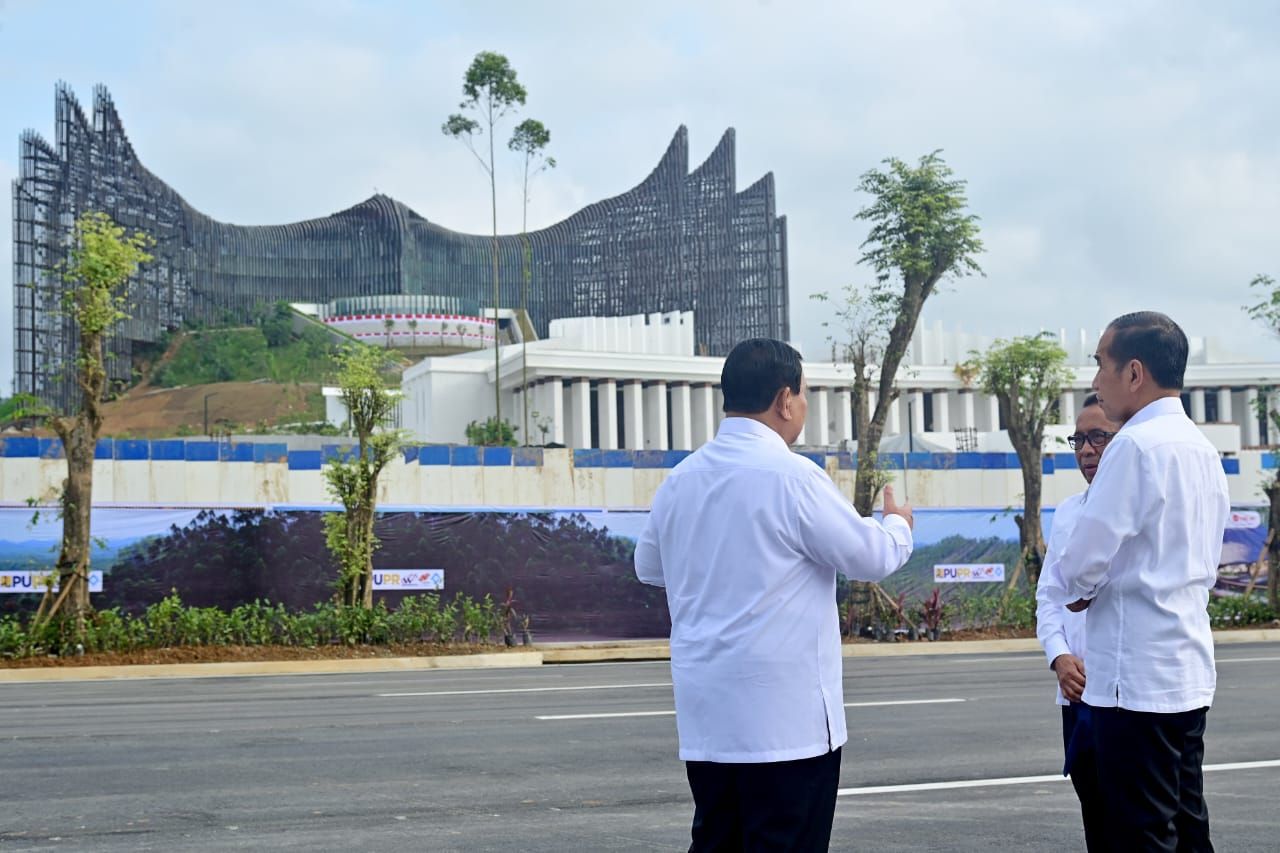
(704, 414)
(1224, 406)
(655, 422)
(1067, 407)
(1197, 405)
(607, 413)
(555, 401)
(580, 413)
(633, 415)
(539, 413)
(817, 429)
(844, 415)
(681, 417)
(993, 413)
(517, 415)
(941, 411)
(1252, 433)
(967, 419)
(917, 411)
(893, 423)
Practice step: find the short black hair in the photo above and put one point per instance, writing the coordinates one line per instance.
(1091, 400)
(755, 371)
(1156, 341)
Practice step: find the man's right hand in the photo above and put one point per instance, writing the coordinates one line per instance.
(1070, 672)
(891, 507)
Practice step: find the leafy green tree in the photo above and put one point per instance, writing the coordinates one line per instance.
(1026, 375)
(353, 481)
(921, 234)
(1267, 311)
(490, 91)
(530, 139)
(100, 261)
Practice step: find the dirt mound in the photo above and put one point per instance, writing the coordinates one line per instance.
(162, 412)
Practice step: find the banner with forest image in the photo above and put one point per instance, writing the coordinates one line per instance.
(570, 570)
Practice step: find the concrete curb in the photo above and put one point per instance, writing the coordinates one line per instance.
(282, 667)
(552, 654)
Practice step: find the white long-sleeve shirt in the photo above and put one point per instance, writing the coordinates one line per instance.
(1152, 529)
(1060, 631)
(747, 538)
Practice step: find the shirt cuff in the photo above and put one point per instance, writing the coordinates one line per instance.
(1055, 646)
(892, 520)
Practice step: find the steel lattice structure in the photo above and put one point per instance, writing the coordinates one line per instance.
(680, 240)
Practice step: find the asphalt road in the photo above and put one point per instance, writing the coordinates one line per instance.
(467, 760)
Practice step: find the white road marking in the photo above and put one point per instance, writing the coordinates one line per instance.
(1246, 660)
(1020, 780)
(902, 702)
(615, 714)
(606, 716)
(530, 689)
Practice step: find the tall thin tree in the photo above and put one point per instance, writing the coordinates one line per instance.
(530, 139)
(491, 91)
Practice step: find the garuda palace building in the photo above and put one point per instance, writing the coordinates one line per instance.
(679, 241)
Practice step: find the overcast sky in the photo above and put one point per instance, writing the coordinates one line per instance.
(1121, 155)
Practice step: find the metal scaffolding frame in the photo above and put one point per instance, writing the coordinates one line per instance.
(678, 241)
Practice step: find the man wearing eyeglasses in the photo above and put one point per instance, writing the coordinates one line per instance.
(1061, 632)
(1142, 558)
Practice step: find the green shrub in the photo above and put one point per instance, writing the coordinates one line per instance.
(169, 623)
(1229, 611)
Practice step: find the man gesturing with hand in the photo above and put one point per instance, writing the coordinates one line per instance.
(747, 538)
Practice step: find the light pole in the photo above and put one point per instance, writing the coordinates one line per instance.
(206, 411)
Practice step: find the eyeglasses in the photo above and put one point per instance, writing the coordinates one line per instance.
(1097, 438)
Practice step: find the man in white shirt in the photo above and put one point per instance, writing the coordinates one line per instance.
(1061, 632)
(747, 538)
(1142, 558)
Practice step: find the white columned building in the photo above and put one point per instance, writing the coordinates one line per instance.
(671, 398)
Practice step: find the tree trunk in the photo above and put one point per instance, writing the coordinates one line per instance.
(1273, 556)
(366, 530)
(1030, 533)
(77, 502)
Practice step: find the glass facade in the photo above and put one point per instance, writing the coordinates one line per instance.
(679, 241)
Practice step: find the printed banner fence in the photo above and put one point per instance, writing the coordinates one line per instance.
(569, 570)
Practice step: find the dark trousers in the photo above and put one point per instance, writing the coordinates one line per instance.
(1084, 777)
(1151, 781)
(783, 805)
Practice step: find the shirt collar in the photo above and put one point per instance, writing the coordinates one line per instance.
(1155, 409)
(747, 426)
